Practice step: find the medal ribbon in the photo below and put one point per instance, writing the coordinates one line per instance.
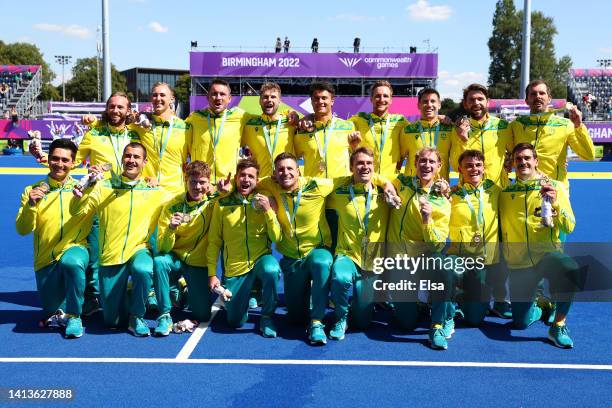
(326, 135)
(383, 138)
(272, 145)
(363, 222)
(296, 205)
(118, 147)
(435, 141)
(480, 217)
(161, 149)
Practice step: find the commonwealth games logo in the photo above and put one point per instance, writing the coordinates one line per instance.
(349, 62)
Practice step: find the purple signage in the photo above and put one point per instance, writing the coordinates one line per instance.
(340, 65)
(600, 132)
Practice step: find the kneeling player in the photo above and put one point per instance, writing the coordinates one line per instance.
(182, 240)
(60, 239)
(244, 224)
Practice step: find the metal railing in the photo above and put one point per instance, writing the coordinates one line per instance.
(28, 105)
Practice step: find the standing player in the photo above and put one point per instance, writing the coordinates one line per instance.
(420, 227)
(363, 216)
(426, 132)
(381, 130)
(216, 131)
(474, 233)
(244, 225)
(488, 134)
(533, 248)
(128, 210)
(60, 256)
(551, 135)
(182, 240)
(270, 134)
(167, 142)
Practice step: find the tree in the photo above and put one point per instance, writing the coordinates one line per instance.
(505, 47)
(29, 54)
(182, 89)
(83, 86)
(448, 105)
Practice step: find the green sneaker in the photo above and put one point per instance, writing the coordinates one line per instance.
(252, 303)
(138, 327)
(164, 325)
(266, 327)
(548, 309)
(316, 334)
(449, 327)
(437, 338)
(559, 335)
(501, 310)
(74, 328)
(337, 332)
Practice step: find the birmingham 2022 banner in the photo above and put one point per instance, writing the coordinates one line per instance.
(337, 65)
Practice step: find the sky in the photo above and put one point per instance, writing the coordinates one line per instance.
(157, 34)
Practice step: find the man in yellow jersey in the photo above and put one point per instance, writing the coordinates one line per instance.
(182, 239)
(426, 132)
(216, 131)
(419, 228)
(244, 224)
(483, 132)
(270, 134)
(103, 145)
(550, 134)
(474, 233)
(326, 147)
(493, 137)
(532, 247)
(363, 216)
(167, 142)
(381, 130)
(128, 210)
(60, 239)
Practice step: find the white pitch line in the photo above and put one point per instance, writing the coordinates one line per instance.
(197, 334)
(367, 363)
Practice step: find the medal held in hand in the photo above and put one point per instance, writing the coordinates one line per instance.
(44, 187)
(476, 239)
(186, 219)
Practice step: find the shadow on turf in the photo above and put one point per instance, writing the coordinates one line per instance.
(23, 298)
(496, 330)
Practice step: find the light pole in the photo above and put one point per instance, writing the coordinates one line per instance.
(605, 63)
(63, 60)
(525, 57)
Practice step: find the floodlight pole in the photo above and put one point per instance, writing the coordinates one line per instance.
(106, 51)
(63, 60)
(526, 48)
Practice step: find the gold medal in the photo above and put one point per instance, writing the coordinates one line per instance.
(187, 218)
(106, 167)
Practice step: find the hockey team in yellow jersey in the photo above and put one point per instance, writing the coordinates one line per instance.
(169, 186)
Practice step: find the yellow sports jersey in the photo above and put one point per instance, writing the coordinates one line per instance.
(267, 138)
(491, 136)
(304, 229)
(167, 144)
(55, 229)
(104, 144)
(382, 135)
(551, 135)
(128, 213)
(325, 151)
(424, 134)
(474, 232)
(215, 139)
(405, 224)
(244, 232)
(351, 203)
(189, 240)
(525, 240)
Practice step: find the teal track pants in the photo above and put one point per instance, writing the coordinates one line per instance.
(441, 300)
(61, 285)
(116, 305)
(267, 271)
(560, 270)
(297, 277)
(169, 268)
(345, 274)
